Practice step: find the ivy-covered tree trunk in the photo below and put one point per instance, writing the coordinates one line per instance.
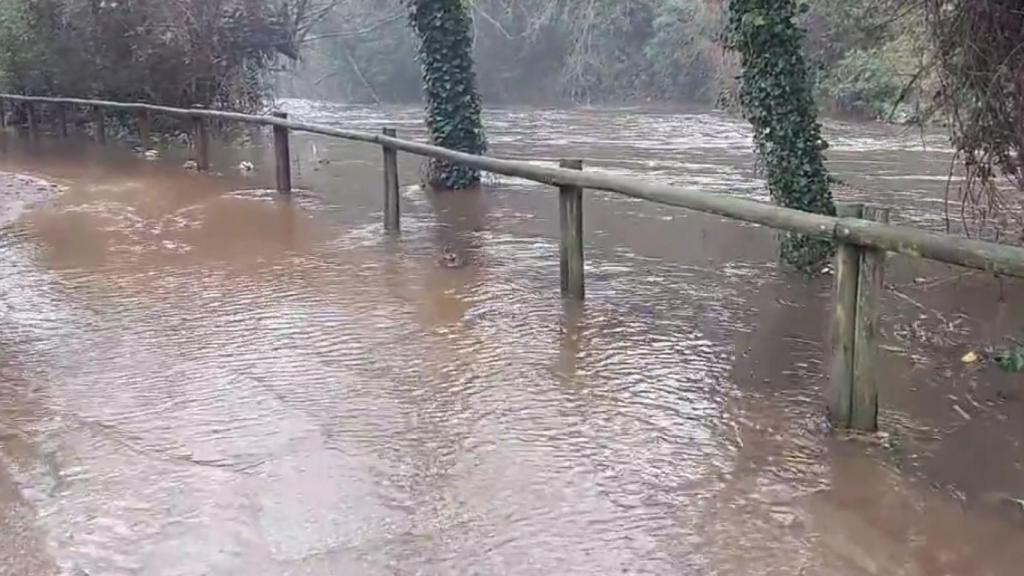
(777, 98)
(444, 29)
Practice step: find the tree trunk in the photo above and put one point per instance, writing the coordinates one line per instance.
(444, 30)
(777, 98)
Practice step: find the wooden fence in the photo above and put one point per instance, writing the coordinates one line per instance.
(862, 233)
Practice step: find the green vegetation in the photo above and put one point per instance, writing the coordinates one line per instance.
(219, 52)
(776, 97)
(179, 52)
(861, 53)
(1008, 358)
(871, 56)
(453, 105)
(957, 62)
(1012, 359)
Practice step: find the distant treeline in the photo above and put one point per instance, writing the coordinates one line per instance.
(864, 53)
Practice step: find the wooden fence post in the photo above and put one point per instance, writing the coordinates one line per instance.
(847, 277)
(864, 407)
(62, 121)
(283, 156)
(570, 212)
(3, 113)
(392, 209)
(142, 119)
(33, 121)
(100, 122)
(201, 138)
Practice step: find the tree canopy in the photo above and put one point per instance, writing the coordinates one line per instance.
(180, 52)
(860, 53)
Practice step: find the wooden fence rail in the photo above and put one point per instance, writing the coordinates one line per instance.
(863, 234)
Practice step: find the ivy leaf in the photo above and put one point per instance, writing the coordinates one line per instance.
(1012, 360)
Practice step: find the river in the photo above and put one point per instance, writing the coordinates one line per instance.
(197, 377)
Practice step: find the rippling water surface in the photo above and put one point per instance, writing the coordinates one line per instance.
(197, 377)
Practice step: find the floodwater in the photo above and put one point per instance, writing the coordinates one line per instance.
(197, 377)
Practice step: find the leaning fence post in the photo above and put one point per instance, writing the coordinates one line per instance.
(33, 121)
(142, 119)
(100, 122)
(62, 121)
(847, 276)
(392, 210)
(201, 137)
(570, 213)
(283, 156)
(864, 409)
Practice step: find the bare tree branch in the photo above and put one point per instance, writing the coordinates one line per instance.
(356, 33)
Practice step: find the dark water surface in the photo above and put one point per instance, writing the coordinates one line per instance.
(197, 377)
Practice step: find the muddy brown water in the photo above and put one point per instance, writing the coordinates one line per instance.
(197, 377)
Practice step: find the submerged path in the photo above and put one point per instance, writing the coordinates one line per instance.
(197, 377)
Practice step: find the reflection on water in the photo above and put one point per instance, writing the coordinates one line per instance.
(197, 377)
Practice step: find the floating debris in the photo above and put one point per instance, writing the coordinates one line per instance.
(450, 259)
(971, 357)
(317, 159)
(963, 413)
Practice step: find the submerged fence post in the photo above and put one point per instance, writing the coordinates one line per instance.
(62, 120)
(33, 121)
(847, 277)
(99, 119)
(864, 408)
(392, 210)
(3, 113)
(570, 213)
(283, 156)
(201, 137)
(142, 119)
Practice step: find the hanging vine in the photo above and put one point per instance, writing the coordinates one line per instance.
(777, 98)
(979, 47)
(444, 30)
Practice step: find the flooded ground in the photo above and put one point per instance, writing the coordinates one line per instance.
(197, 377)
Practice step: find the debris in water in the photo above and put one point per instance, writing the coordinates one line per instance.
(246, 166)
(191, 165)
(970, 358)
(450, 259)
(1002, 498)
(961, 412)
(880, 439)
(316, 157)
